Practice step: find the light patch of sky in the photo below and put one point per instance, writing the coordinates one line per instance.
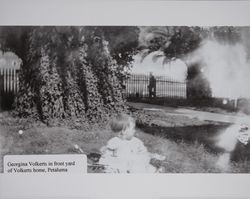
(177, 69)
(9, 60)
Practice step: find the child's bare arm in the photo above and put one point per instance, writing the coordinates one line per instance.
(107, 150)
(157, 156)
(110, 146)
(103, 149)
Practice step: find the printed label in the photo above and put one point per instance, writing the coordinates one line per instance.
(47, 164)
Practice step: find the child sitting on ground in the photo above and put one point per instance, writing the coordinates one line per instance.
(125, 153)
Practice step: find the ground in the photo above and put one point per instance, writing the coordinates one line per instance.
(187, 142)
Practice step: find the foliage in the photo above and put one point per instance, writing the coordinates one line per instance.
(197, 84)
(178, 41)
(69, 72)
(123, 44)
(50, 92)
(225, 34)
(174, 42)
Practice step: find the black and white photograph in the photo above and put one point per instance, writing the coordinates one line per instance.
(133, 99)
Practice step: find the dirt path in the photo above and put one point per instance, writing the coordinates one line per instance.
(200, 115)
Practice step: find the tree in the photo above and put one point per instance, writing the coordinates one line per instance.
(226, 34)
(173, 43)
(68, 72)
(197, 85)
(123, 44)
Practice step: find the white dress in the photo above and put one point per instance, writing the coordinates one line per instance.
(126, 156)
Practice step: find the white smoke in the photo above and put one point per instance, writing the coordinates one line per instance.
(225, 66)
(224, 162)
(228, 140)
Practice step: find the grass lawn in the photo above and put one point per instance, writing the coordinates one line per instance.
(187, 148)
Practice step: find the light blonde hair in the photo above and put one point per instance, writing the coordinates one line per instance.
(121, 122)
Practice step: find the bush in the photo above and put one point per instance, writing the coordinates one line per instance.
(70, 74)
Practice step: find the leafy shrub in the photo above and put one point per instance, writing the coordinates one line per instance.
(70, 74)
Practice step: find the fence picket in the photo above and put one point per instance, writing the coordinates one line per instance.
(5, 79)
(14, 79)
(9, 79)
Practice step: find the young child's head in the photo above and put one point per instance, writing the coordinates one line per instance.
(124, 125)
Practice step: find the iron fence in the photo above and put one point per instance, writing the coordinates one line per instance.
(138, 86)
